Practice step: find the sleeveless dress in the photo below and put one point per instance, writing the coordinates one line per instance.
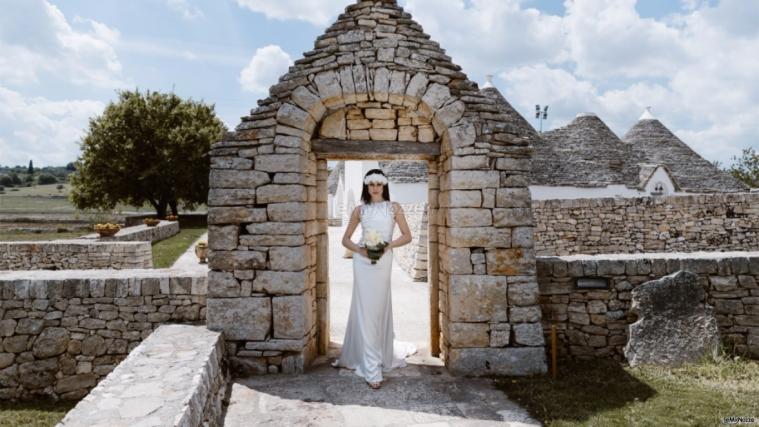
(369, 347)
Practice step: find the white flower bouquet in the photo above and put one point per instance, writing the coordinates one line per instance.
(375, 245)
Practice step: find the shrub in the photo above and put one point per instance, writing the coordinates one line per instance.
(46, 179)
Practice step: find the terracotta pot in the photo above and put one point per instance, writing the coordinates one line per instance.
(201, 250)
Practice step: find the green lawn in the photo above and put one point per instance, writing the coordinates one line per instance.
(166, 252)
(604, 393)
(33, 414)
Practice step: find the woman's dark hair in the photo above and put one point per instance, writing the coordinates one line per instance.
(365, 196)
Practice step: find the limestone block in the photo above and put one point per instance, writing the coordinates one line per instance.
(7, 327)
(471, 180)
(499, 334)
(513, 198)
(512, 217)
(236, 260)
(38, 374)
(515, 165)
(280, 163)
(291, 212)
(272, 240)
(359, 82)
(240, 318)
(671, 310)
(382, 84)
(383, 134)
(468, 217)
(511, 261)
(457, 260)
(528, 314)
(522, 361)
(243, 179)
(462, 335)
(6, 359)
(397, 91)
(29, 326)
(281, 194)
(16, 343)
(461, 199)
(223, 238)
(469, 162)
(530, 334)
(297, 228)
(450, 114)
(235, 215)
(231, 197)
(51, 342)
(281, 282)
(522, 237)
(359, 135)
(334, 126)
(523, 293)
(407, 133)
(478, 298)
(328, 85)
(470, 237)
(417, 87)
(290, 115)
(292, 316)
(383, 124)
(353, 36)
(221, 284)
(230, 163)
(436, 96)
(308, 101)
(426, 134)
(289, 258)
(359, 124)
(347, 85)
(380, 113)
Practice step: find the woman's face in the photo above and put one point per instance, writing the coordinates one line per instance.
(375, 190)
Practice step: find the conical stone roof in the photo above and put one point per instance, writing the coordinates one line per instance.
(585, 153)
(652, 142)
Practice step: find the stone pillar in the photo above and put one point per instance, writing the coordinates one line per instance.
(322, 258)
(433, 189)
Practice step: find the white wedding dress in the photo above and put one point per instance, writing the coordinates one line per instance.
(369, 347)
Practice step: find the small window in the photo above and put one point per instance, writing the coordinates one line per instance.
(592, 283)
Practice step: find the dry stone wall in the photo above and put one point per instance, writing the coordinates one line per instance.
(593, 322)
(75, 255)
(63, 331)
(412, 258)
(710, 222)
(141, 233)
(268, 288)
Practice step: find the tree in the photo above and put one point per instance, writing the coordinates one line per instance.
(30, 169)
(46, 178)
(70, 167)
(746, 168)
(6, 181)
(150, 147)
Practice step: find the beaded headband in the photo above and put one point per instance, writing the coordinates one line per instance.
(375, 177)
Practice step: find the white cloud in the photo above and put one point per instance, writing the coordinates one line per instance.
(42, 130)
(188, 11)
(266, 66)
(36, 40)
(318, 12)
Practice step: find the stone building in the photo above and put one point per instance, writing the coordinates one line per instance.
(375, 87)
(585, 159)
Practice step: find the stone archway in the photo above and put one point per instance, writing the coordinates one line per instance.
(268, 289)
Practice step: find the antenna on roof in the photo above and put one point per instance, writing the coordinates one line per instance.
(488, 82)
(541, 115)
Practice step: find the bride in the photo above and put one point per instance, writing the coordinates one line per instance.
(369, 347)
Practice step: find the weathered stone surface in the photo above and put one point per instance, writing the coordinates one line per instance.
(530, 334)
(471, 180)
(458, 261)
(497, 361)
(76, 382)
(7, 327)
(510, 262)
(674, 325)
(523, 293)
(38, 374)
(528, 314)
(334, 126)
(291, 212)
(231, 197)
(240, 318)
(51, 342)
(463, 136)
(223, 238)
(417, 86)
(289, 259)
(461, 199)
(292, 316)
(450, 113)
(515, 217)
(281, 194)
(272, 240)
(236, 260)
(235, 215)
(463, 335)
(474, 298)
(383, 134)
(222, 284)
(436, 96)
(281, 282)
(460, 217)
(309, 102)
(294, 228)
(290, 115)
(239, 179)
(278, 163)
(6, 359)
(513, 198)
(487, 237)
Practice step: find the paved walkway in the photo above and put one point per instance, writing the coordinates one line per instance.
(423, 393)
(188, 261)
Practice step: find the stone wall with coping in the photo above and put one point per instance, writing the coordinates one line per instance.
(63, 331)
(726, 222)
(140, 233)
(412, 258)
(184, 385)
(592, 323)
(75, 255)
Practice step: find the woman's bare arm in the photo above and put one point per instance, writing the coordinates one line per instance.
(350, 229)
(400, 218)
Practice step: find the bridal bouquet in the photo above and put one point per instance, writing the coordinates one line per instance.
(375, 246)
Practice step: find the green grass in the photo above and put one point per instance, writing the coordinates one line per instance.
(166, 252)
(604, 393)
(36, 414)
(24, 236)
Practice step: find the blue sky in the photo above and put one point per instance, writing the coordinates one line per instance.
(691, 60)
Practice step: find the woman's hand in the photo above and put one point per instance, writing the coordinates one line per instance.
(364, 252)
